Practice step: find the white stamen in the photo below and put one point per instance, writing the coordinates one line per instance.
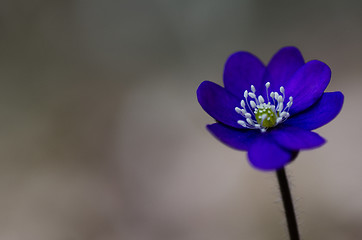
(238, 110)
(258, 111)
(280, 106)
(253, 89)
(282, 89)
(242, 103)
(246, 94)
(283, 114)
(272, 95)
(252, 104)
(252, 95)
(250, 121)
(261, 99)
(242, 123)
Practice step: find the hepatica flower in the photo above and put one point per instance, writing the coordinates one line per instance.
(270, 111)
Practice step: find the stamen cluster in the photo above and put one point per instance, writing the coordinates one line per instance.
(261, 115)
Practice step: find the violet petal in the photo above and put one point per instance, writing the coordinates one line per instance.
(265, 154)
(307, 85)
(239, 139)
(282, 67)
(294, 138)
(243, 69)
(321, 113)
(219, 103)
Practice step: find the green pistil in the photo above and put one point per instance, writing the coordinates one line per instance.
(265, 117)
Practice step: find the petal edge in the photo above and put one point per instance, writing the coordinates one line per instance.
(282, 66)
(321, 113)
(239, 139)
(242, 69)
(307, 85)
(219, 103)
(294, 138)
(264, 154)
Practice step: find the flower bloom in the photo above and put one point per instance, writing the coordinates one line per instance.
(270, 110)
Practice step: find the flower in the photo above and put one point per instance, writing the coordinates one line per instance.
(270, 111)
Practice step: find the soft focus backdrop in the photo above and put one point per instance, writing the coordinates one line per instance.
(102, 137)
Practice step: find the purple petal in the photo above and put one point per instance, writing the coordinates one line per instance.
(282, 67)
(266, 155)
(219, 103)
(321, 113)
(239, 139)
(242, 70)
(307, 85)
(294, 138)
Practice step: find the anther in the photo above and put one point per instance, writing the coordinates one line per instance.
(253, 89)
(246, 94)
(261, 99)
(267, 85)
(250, 121)
(276, 95)
(252, 104)
(261, 115)
(242, 103)
(283, 114)
(282, 89)
(238, 110)
(242, 123)
(252, 95)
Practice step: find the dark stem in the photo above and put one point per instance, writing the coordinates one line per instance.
(288, 204)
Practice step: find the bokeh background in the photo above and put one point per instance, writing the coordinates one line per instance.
(102, 136)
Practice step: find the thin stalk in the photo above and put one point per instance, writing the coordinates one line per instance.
(288, 204)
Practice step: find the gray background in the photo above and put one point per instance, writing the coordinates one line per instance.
(102, 136)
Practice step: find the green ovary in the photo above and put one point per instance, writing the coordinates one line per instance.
(269, 120)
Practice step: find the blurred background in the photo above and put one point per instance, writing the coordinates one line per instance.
(102, 136)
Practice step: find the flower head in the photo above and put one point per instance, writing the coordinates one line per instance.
(270, 111)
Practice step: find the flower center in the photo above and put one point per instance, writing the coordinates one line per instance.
(261, 115)
(265, 116)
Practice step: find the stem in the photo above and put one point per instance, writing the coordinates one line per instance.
(288, 204)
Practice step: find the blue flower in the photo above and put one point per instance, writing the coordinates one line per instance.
(270, 111)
